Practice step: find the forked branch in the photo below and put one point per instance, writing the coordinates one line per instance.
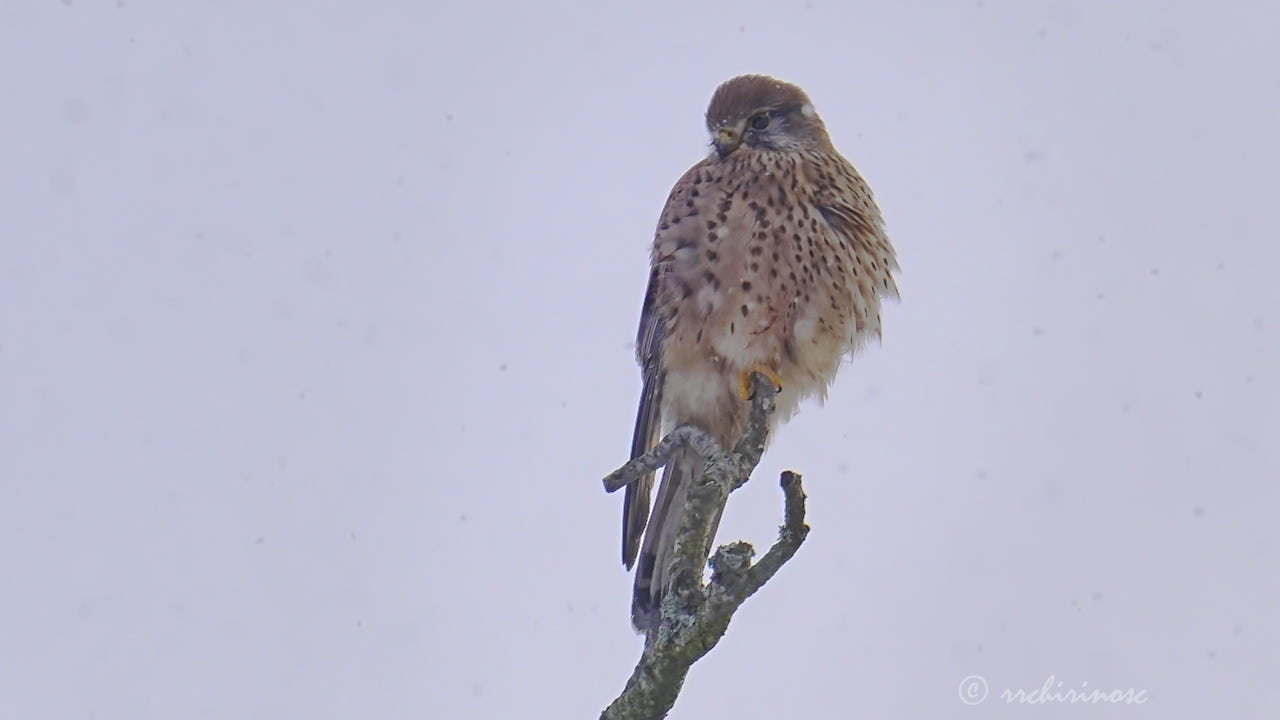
(695, 614)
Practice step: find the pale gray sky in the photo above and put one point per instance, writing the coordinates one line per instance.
(315, 326)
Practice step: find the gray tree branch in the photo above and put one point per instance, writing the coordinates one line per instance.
(695, 614)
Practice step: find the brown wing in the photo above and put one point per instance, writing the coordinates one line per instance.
(635, 505)
(649, 340)
(845, 202)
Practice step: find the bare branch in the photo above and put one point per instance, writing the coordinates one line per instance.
(790, 535)
(690, 435)
(695, 615)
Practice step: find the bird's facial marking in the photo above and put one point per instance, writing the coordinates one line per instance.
(766, 128)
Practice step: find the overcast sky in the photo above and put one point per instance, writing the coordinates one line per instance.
(315, 340)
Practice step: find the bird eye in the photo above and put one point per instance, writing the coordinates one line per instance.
(759, 122)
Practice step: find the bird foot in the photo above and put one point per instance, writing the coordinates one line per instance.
(744, 380)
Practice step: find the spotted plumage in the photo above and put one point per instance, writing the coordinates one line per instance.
(770, 255)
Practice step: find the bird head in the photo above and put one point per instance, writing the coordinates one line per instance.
(764, 114)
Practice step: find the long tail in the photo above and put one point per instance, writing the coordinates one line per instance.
(681, 472)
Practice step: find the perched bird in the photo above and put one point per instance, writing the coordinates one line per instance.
(770, 256)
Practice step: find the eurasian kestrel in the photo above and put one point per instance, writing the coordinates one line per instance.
(770, 256)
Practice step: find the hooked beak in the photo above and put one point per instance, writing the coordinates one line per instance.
(726, 139)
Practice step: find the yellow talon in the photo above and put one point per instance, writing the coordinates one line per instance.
(744, 380)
